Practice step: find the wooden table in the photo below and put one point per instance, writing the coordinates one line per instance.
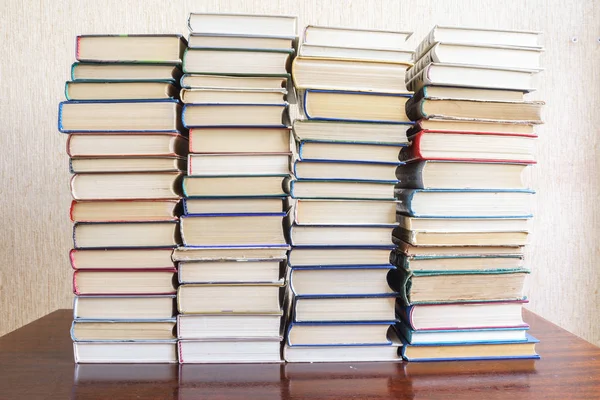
(36, 362)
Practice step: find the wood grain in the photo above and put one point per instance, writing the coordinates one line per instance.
(38, 48)
(36, 363)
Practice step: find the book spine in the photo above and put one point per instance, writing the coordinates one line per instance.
(73, 68)
(404, 197)
(77, 47)
(67, 91)
(410, 175)
(412, 152)
(414, 108)
(72, 258)
(75, 288)
(399, 280)
(71, 170)
(424, 61)
(71, 208)
(68, 145)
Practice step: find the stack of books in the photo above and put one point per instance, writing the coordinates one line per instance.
(231, 267)
(464, 207)
(352, 95)
(123, 117)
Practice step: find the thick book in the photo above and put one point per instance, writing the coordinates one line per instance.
(124, 210)
(239, 271)
(243, 24)
(83, 165)
(127, 144)
(474, 147)
(230, 298)
(101, 235)
(466, 351)
(239, 41)
(240, 62)
(84, 330)
(119, 116)
(344, 212)
(126, 282)
(120, 90)
(339, 190)
(332, 235)
(339, 256)
(433, 174)
(447, 287)
(349, 75)
(338, 334)
(460, 126)
(120, 259)
(238, 165)
(344, 309)
(130, 186)
(457, 316)
(349, 132)
(125, 352)
(233, 186)
(340, 281)
(234, 205)
(355, 38)
(239, 140)
(326, 51)
(233, 230)
(315, 150)
(331, 105)
(130, 48)
(235, 115)
(467, 263)
(229, 326)
(125, 307)
(147, 72)
(462, 336)
(335, 170)
(465, 203)
(229, 351)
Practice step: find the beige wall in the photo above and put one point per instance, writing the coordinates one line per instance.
(37, 42)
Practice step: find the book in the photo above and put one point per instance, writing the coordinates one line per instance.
(229, 253)
(238, 41)
(344, 212)
(130, 48)
(355, 38)
(83, 330)
(472, 76)
(127, 144)
(334, 170)
(471, 203)
(329, 235)
(336, 334)
(81, 165)
(239, 298)
(344, 309)
(234, 115)
(332, 256)
(356, 54)
(98, 71)
(219, 271)
(233, 230)
(526, 112)
(428, 145)
(294, 354)
(129, 307)
(119, 116)
(243, 24)
(228, 326)
(234, 82)
(125, 352)
(328, 105)
(455, 316)
(481, 36)
(130, 186)
(130, 282)
(257, 62)
(229, 351)
(348, 75)
(309, 150)
(461, 336)
(465, 263)
(125, 234)
(430, 174)
(468, 225)
(119, 259)
(232, 205)
(240, 140)
(340, 281)
(229, 96)
(339, 190)
(446, 287)
(124, 210)
(349, 132)
(120, 90)
(420, 238)
(457, 251)
(238, 165)
(487, 351)
(233, 186)
(467, 93)
(454, 126)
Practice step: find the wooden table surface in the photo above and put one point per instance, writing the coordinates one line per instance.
(36, 362)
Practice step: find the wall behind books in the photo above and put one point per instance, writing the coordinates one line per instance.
(37, 43)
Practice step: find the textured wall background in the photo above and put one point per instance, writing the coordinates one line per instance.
(37, 42)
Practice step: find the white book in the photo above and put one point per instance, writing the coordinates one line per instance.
(125, 352)
(355, 38)
(243, 24)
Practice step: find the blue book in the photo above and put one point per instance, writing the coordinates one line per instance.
(333, 105)
(353, 171)
(465, 203)
(235, 115)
